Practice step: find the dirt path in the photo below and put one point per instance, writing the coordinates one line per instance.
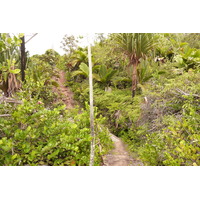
(119, 155)
(65, 93)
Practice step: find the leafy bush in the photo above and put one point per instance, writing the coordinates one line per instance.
(165, 129)
(172, 136)
(39, 81)
(177, 144)
(34, 135)
(189, 58)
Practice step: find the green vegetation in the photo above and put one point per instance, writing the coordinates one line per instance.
(9, 61)
(35, 135)
(36, 129)
(160, 120)
(161, 124)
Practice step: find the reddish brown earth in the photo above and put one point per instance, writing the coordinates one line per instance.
(119, 155)
(65, 93)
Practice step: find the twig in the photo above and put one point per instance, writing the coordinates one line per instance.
(5, 115)
(10, 100)
(13, 151)
(31, 38)
(187, 94)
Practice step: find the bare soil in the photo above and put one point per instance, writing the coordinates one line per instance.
(65, 93)
(119, 155)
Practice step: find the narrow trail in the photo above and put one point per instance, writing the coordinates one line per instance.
(65, 93)
(118, 156)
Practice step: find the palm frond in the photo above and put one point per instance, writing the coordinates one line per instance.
(135, 44)
(83, 70)
(83, 67)
(76, 73)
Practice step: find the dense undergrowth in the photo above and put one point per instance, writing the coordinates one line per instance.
(164, 130)
(40, 131)
(35, 135)
(161, 124)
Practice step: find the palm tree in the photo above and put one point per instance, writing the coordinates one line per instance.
(9, 54)
(135, 46)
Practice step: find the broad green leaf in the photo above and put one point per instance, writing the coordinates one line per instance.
(78, 72)
(84, 68)
(14, 156)
(14, 71)
(9, 40)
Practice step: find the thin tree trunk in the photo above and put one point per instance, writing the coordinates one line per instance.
(92, 149)
(134, 79)
(23, 58)
(4, 88)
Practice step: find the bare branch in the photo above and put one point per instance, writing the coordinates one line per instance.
(187, 94)
(31, 37)
(10, 100)
(5, 115)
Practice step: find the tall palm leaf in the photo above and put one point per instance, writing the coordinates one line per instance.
(105, 75)
(84, 70)
(135, 46)
(80, 56)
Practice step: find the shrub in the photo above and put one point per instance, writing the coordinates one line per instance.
(172, 137)
(34, 135)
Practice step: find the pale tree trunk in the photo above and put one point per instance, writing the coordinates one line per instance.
(92, 148)
(134, 79)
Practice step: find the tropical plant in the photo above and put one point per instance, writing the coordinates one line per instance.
(79, 56)
(104, 54)
(135, 46)
(193, 39)
(9, 57)
(50, 56)
(9, 47)
(35, 135)
(39, 80)
(188, 58)
(83, 70)
(104, 75)
(144, 71)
